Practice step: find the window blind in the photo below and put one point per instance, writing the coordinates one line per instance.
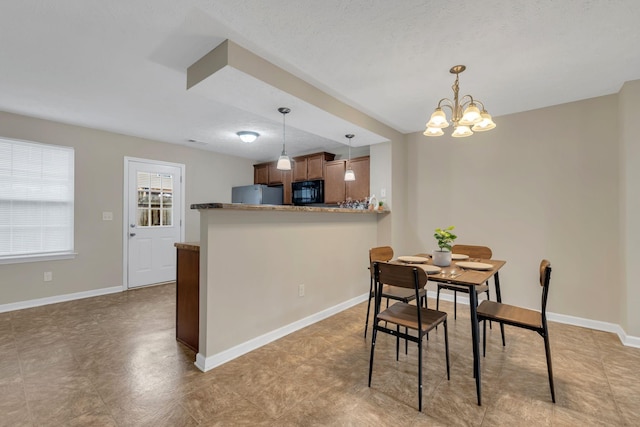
(36, 199)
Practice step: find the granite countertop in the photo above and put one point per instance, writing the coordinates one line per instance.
(283, 208)
(189, 246)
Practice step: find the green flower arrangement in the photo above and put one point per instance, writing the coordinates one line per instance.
(445, 237)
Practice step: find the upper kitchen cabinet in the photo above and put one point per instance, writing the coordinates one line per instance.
(310, 166)
(358, 189)
(268, 174)
(261, 174)
(336, 190)
(276, 176)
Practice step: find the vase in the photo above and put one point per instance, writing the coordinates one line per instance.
(442, 258)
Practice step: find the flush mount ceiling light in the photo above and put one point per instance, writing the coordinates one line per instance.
(284, 162)
(349, 175)
(247, 136)
(464, 113)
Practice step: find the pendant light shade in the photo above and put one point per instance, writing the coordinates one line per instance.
(349, 175)
(284, 162)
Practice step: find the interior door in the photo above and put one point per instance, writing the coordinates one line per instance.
(154, 214)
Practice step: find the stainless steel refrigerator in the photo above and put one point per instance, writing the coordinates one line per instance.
(257, 195)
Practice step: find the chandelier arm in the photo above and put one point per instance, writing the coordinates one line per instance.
(469, 100)
(448, 103)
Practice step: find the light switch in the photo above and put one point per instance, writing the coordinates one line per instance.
(107, 216)
(383, 192)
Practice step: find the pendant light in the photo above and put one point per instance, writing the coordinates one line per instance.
(284, 162)
(349, 175)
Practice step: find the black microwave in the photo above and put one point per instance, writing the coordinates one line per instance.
(307, 192)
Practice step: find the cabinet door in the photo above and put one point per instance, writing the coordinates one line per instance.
(315, 165)
(261, 174)
(334, 188)
(275, 175)
(359, 189)
(299, 169)
(286, 187)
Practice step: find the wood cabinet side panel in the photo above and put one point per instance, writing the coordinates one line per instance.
(187, 298)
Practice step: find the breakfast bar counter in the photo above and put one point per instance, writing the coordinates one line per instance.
(284, 208)
(266, 271)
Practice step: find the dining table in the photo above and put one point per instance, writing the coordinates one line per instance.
(469, 272)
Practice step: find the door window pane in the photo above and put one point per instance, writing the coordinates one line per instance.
(155, 199)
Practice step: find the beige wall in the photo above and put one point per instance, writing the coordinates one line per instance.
(543, 184)
(99, 160)
(630, 206)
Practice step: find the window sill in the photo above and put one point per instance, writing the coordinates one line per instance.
(19, 259)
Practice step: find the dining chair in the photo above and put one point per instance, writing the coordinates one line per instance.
(522, 318)
(385, 253)
(412, 317)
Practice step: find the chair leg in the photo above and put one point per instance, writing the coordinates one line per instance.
(420, 373)
(406, 342)
(484, 337)
(366, 322)
(455, 305)
(373, 346)
(488, 299)
(397, 342)
(438, 299)
(547, 350)
(446, 347)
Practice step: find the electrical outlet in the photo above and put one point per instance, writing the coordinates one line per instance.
(301, 290)
(48, 276)
(383, 192)
(107, 216)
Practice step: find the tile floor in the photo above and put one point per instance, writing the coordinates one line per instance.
(113, 361)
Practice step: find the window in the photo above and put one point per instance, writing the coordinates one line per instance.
(36, 201)
(155, 195)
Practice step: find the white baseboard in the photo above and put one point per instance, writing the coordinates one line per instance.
(629, 341)
(58, 298)
(206, 363)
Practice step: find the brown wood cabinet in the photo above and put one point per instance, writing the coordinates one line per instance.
(188, 294)
(359, 189)
(310, 166)
(275, 174)
(269, 174)
(261, 174)
(336, 190)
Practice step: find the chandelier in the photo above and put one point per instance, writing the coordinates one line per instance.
(465, 115)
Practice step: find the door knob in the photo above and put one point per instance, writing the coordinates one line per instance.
(132, 234)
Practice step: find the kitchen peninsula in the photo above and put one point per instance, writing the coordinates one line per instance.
(266, 271)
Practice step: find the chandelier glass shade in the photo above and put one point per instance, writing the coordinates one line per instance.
(284, 162)
(466, 117)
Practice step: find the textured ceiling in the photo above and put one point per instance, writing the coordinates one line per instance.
(121, 66)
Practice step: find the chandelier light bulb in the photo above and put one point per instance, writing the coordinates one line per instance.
(461, 131)
(433, 132)
(438, 119)
(485, 124)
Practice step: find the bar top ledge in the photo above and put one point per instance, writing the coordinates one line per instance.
(283, 208)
